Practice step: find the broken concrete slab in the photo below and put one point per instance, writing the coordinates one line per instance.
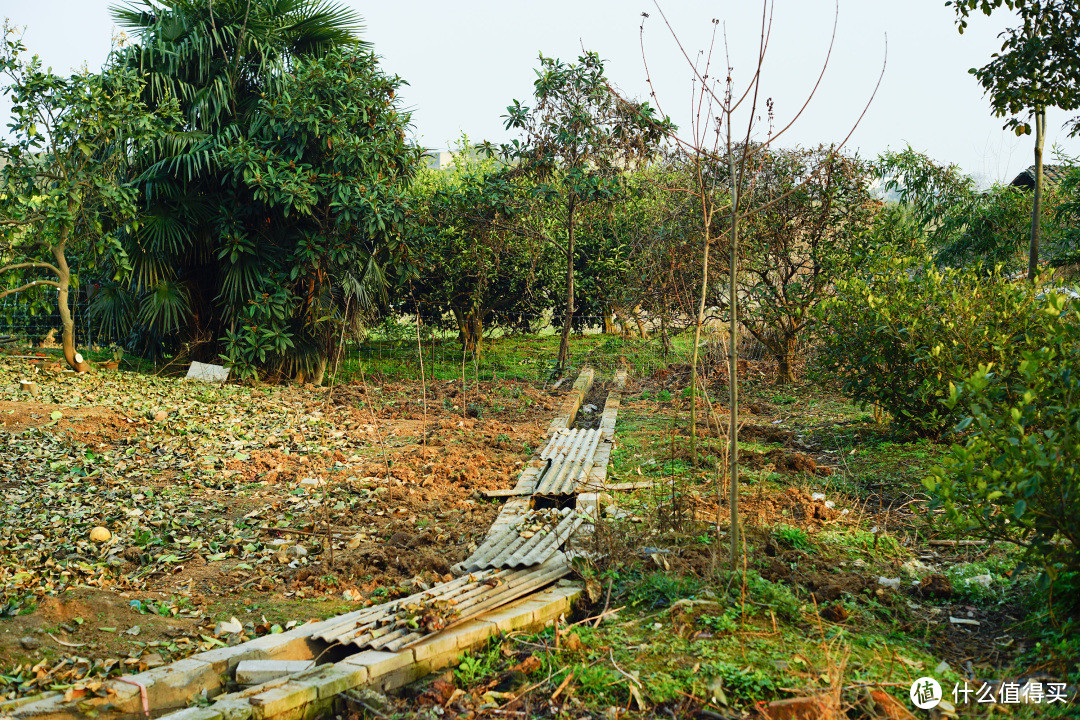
(205, 372)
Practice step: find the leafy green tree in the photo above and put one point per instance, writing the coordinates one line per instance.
(617, 250)
(66, 188)
(1038, 67)
(899, 331)
(1015, 473)
(476, 264)
(962, 224)
(277, 214)
(816, 208)
(578, 140)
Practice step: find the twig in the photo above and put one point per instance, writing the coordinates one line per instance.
(66, 644)
(562, 685)
(358, 701)
(954, 543)
(298, 531)
(607, 604)
(598, 617)
(621, 672)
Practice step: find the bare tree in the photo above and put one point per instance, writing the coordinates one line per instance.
(727, 158)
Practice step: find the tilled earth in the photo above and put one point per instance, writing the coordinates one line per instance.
(264, 503)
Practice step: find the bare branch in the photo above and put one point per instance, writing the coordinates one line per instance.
(18, 266)
(29, 285)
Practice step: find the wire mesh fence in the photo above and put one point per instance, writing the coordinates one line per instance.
(30, 320)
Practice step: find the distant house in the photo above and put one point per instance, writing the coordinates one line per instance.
(1052, 175)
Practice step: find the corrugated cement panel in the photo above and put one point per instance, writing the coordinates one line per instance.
(531, 541)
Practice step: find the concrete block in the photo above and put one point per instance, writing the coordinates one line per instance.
(510, 618)
(234, 709)
(189, 676)
(588, 503)
(329, 680)
(225, 659)
(388, 670)
(50, 707)
(195, 713)
(436, 645)
(207, 373)
(472, 633)
(282, 699)
(404, 675)
(254, 672)
(379, 663)
(556, 601)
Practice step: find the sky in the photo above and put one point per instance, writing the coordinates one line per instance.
(465, 61)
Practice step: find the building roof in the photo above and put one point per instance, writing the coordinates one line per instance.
(1052, 175)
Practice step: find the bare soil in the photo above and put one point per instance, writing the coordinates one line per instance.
(270, 504)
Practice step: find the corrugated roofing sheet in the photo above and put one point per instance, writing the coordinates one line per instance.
(533, 539)
(570, 465)
(398, 624)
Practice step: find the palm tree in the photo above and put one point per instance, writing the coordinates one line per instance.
(207, 250)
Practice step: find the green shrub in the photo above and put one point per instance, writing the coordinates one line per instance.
(898, 333)
(1016, 476)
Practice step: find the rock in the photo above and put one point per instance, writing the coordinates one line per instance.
(152, 660)
(227, 628)
(100, 535)
(161, 416)
(205, 372)
(372, 699)
(29, 643)
(893, 583)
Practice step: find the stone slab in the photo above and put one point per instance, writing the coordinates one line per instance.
(205, 372)
(254, 672)
(276, 701)
(329, 680)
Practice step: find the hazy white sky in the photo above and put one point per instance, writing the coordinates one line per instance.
(466, 61)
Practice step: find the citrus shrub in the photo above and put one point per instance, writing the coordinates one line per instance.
(898, 331)
(1015, 474)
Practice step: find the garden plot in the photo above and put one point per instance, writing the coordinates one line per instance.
(223, 501)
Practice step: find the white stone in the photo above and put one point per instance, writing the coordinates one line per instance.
(205, 372)
(227, 628)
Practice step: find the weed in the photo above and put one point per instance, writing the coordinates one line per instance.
(660, 590)
(475, 667)
(726, 623)
(792, 537)
(743, 683)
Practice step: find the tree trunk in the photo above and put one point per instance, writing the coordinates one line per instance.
(609, 322)
(733, 363)
(470, 329)
(568, 313)
(1036, 205)
(785, 371)
(698, 319)
(74, 359)
(320, 371)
